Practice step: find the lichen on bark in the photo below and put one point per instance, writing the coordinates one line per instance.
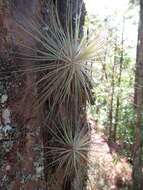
(19, 168)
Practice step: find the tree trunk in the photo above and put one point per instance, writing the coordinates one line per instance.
(111, 110)
(119, 84)
(137, 153)
(21, 160)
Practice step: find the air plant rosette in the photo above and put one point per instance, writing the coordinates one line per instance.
(62, 57)
(68, 147)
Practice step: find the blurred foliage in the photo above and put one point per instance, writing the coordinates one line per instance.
(106, 78)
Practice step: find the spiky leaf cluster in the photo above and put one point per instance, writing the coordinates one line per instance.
(64, 57)
(69, 146)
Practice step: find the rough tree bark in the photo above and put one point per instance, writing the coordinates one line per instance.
(20, 167)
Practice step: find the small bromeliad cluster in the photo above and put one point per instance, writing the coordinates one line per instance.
(62, 58)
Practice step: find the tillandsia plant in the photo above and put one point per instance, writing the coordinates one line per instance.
(69, 146)
(64, 57)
